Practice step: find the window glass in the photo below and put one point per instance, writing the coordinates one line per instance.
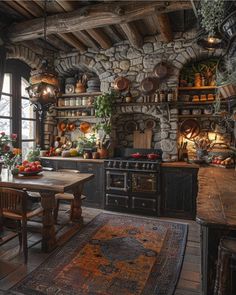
(27, 110)
(5, 125)
(7, 83)
(28, 129)
(26, 146)
(24, 84)
(5, 106)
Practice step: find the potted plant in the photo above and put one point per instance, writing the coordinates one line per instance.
(104, 107)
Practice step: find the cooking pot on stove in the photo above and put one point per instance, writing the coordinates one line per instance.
(136, 156)
(152, 156)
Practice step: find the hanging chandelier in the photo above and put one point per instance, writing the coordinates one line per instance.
(44, 84)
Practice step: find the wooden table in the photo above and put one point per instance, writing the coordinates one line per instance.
(48, 184)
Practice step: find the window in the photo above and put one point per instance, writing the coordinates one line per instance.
(6, 105)
(16, 112)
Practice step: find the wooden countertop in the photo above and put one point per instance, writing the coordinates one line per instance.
(75, 159)
(216, 202)
(179, 165)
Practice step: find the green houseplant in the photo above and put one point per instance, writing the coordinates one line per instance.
(104, 107)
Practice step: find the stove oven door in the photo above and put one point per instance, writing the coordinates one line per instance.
(145, 193)
(144, 183)
(116, 181)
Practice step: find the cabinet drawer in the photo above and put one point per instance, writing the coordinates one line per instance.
(144, 204)
(66, 165)
(117, 201)
(47, 163)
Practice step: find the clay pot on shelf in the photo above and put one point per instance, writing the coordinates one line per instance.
(80, 88)
(197, 80)
(103, 153)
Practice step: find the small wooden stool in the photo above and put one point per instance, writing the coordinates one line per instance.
(224, 283)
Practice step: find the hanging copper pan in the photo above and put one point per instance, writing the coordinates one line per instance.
(85, 127)
(62, 126)
(160, 70)
(71, 126)
(121, 83)
(149, 85)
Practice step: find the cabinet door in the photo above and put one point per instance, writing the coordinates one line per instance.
(66, 164)
(93, 190)
(179, 192)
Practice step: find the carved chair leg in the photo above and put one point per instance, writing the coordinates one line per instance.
(56, 209)
(19, 231)
(24, 240)
(71, 210)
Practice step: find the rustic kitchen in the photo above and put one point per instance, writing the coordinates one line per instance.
(118, 147)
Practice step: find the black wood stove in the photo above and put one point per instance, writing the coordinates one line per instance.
(133, 184)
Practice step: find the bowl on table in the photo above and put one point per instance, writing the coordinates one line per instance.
(30, 173)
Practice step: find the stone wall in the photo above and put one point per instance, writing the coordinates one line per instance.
(136, 64)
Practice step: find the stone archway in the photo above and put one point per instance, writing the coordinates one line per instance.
(24, 54)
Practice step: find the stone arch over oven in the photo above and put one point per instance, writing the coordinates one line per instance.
(165, 137)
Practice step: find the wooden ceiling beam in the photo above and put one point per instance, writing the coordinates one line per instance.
(58, 43)
(14, 5)
(92, 16)
(73, 41)
(133, 35)
(86, 39)
(31, 7)
(165, 27)
(101, 38)
(113, 33)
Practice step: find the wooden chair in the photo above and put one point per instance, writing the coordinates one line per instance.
(13, 205)
(65, 197)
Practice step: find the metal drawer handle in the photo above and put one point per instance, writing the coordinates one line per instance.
(116, 202)
(143, 204)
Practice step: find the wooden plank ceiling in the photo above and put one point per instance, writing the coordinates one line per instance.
(91, 24)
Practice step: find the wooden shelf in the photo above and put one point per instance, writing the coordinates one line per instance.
(197, 116)
(198, 88)
(77, 117)
(186, 103)
(73, 107)
(80, 94)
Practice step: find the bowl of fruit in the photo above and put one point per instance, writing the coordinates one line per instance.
(29, 168)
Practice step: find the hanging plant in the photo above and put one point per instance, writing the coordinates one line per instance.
(212, 14)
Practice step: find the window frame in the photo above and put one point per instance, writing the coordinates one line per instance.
(18, 70)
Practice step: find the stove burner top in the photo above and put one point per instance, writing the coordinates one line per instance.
(132, 164)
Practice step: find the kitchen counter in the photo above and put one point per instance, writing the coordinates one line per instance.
(216, 214)
(75, 159)
(216, 202)
(179, 165)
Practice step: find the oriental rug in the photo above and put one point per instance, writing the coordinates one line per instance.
(113, 255)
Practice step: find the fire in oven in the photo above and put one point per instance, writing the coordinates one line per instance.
(132, 185)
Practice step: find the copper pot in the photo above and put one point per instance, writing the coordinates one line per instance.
(103, 153)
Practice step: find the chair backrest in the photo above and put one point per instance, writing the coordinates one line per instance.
(13, 200)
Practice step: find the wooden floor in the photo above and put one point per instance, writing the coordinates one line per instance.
(12, 269)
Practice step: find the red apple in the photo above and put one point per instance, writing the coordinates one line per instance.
(25, 162)
(39, 167)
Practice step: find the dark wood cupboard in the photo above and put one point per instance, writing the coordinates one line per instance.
(179, 192)
(94, 189)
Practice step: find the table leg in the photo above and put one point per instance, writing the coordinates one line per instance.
(76, 210)
(48, 230)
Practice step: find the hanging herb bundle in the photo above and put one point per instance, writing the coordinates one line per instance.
(212, 14)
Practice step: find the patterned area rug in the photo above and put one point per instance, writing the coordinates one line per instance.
(113, 255)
